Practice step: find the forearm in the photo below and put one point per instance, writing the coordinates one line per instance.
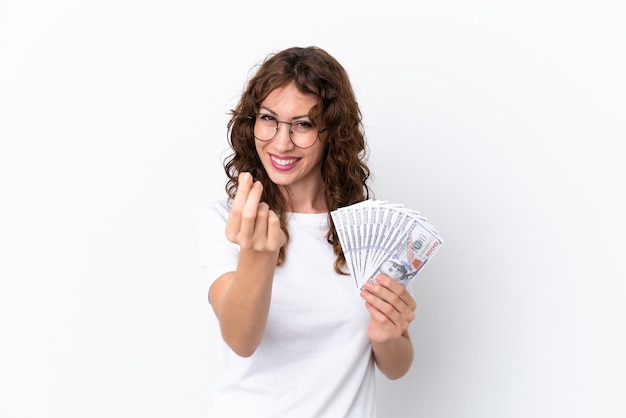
(394, 357)
(244, 304)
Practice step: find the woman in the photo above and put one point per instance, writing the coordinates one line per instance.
(299, 342)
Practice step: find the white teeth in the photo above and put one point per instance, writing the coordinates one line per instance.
(284, 162)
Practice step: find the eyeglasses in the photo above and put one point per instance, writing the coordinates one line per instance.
(303, 133)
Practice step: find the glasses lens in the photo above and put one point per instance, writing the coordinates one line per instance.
(265, 127)
(303, 134)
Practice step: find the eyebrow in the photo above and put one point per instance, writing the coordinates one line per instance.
(276, 114)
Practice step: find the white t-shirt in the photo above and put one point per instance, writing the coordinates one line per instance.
(315, 359)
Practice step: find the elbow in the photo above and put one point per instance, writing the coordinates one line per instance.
(244, 352)
(241, 336)
(395, 372)
(241, 347)
(396, 375)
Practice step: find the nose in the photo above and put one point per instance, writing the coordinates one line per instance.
(283, 136)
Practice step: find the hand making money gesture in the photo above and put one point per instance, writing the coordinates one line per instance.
(252, 224)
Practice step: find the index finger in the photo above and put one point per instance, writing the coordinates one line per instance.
(244, 184)
(239, 202)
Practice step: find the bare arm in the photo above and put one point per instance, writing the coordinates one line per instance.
(394, 358)
(391, 309)
(241, 298)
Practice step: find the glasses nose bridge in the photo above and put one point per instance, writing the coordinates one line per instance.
(289, 130)
(278, 122)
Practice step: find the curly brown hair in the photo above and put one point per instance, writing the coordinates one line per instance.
(344, 169)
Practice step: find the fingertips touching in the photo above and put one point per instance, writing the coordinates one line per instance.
(244, 177)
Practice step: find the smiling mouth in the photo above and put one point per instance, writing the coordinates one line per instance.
(283, 162)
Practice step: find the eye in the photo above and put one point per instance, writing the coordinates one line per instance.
(266, 118)
(303, 125)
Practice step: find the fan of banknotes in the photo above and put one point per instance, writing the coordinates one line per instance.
(381, 237)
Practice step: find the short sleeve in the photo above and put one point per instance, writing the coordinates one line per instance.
(215, 253)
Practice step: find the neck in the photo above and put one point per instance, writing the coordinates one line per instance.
(305, 202)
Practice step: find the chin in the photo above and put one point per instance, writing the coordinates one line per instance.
(281, 179)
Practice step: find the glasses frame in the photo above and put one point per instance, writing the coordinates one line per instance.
(254, 117)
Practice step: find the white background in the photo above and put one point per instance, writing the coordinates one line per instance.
(502, 122)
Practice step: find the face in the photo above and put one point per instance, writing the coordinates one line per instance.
(392, 270)
(286, 164)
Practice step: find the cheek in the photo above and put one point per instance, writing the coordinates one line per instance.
(317, 156)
